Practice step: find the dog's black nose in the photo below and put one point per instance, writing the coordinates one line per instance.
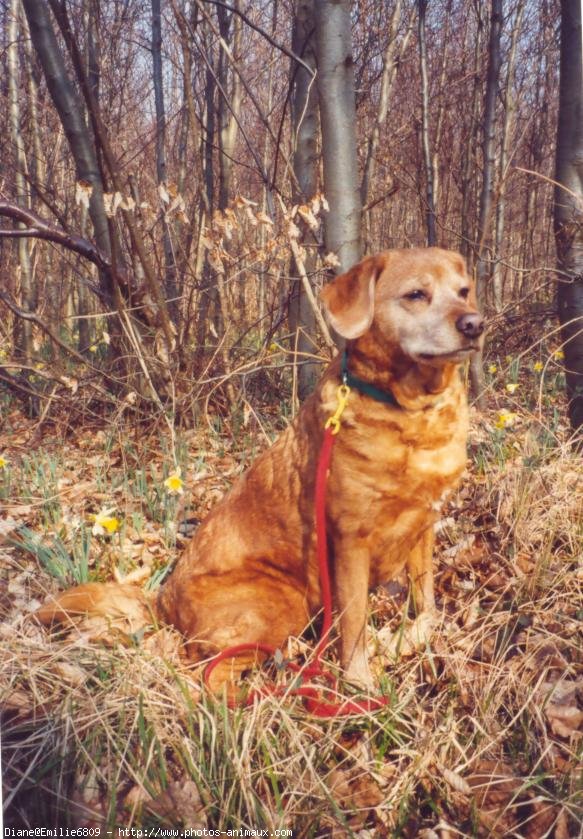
(470, 324)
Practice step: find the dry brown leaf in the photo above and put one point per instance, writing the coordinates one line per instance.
(87, 806)
(355, 789)
(7, 526)
(560, 700)
(308, 216)
(70, 673)
(564, 721)
(562, 826)
(180, 802)
(83, 192)
(540, 819)
(455, 781)
(494, 788)
(331, 260)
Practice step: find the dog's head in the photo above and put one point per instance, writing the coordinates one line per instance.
(421, 301)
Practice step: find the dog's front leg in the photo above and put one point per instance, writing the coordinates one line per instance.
(420, 570)
(352, 578)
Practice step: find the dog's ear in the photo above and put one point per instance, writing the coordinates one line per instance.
(349, 298)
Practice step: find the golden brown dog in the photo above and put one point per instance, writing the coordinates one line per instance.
(250, 573)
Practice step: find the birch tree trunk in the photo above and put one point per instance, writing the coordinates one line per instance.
(338, 121)
(568, 204)
(427, 158)
(305, 127)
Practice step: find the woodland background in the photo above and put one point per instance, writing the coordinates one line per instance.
(177, 180)
(201, 125)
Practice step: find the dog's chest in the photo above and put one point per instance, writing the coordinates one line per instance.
(389, 478)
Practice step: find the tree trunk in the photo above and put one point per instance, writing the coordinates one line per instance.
(509, 108)
(338, 121)
(70, 110)
(441, 108)
(169, 260)
(305, 128)
(228, 112)
(387, 81)
(489, 148)
(23, 327)
(486, 194)
(568, 203)
(427, 159)
(467, 221)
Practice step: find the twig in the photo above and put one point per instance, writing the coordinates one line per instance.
(40, 228)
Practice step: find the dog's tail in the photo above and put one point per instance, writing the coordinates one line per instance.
(101, 609)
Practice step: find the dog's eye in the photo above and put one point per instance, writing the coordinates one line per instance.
(464, 293)
(418, 294)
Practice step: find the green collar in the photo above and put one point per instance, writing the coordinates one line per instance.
(366, 388)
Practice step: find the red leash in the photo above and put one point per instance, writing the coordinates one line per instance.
(312, 694)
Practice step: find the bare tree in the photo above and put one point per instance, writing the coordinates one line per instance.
(509, 106)
(393, 53)
(70, 110)
(305, 136)
(170, 262)
(338, 120)
(568, 203)
(469, 147)
(425, 142)
(489, 147)
(488, 178)
(24, 331)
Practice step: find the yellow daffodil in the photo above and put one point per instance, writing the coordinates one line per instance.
(105, 523)
(273, 347)
(174, 483)
(93, 348)
(492, 368)
(3, 462)
(538, 366)
(559, 355)
(506, 419)
(511, 387)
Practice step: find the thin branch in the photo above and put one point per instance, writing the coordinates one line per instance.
(34, 318)
(263, 33)
(39, 228)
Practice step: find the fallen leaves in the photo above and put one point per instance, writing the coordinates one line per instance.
(562, 702)
(179, 804)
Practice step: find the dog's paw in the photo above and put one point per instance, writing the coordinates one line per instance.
(358, 674)
(408, 639)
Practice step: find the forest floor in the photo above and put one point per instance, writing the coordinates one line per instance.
(482, 732)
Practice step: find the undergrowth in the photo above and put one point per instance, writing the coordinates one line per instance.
(482, 732)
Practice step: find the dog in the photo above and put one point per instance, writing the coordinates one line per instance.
(250, 573)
